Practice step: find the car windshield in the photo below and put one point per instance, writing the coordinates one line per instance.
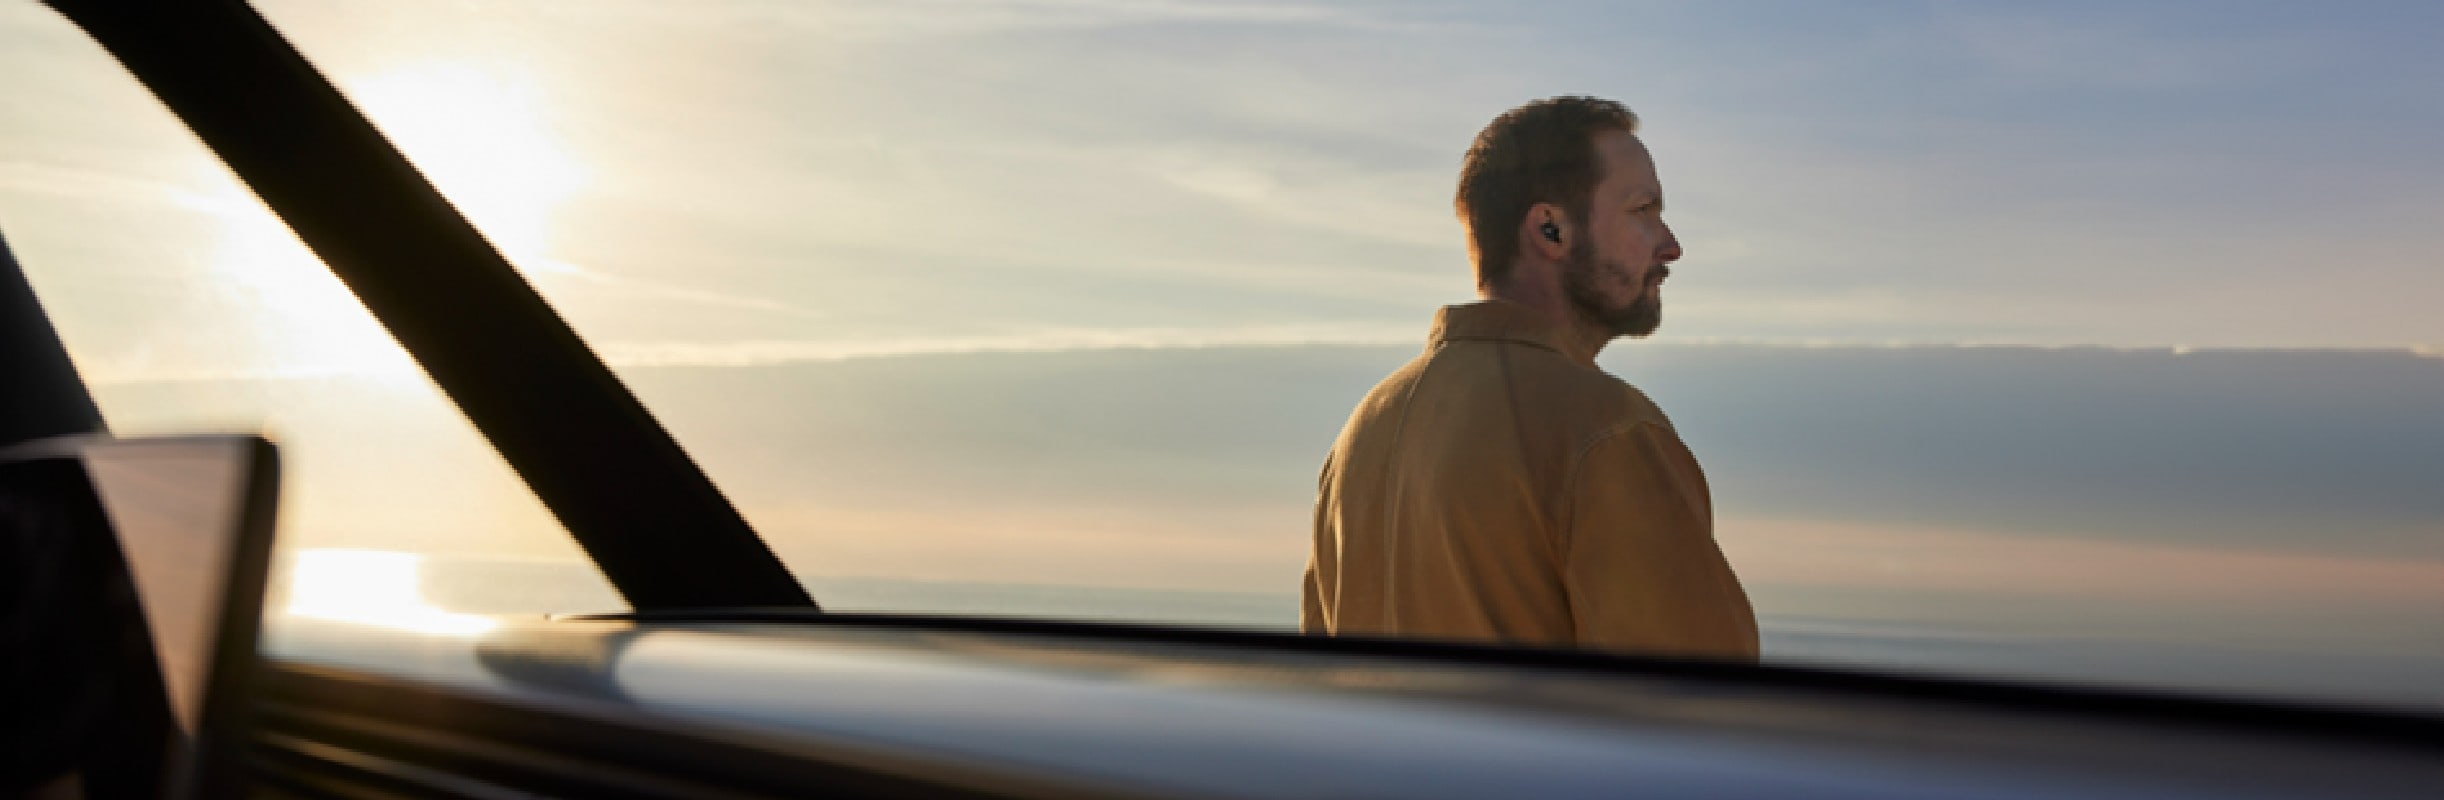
(2092, 342)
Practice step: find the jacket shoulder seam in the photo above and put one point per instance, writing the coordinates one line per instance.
(1578, 463)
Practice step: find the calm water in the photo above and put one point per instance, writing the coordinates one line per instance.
(2255, 522)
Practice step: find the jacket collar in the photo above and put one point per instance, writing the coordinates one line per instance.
(1500, 320)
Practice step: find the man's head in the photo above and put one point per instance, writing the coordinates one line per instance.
(1561, 199)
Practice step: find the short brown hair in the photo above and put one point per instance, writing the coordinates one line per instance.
(1542, 152)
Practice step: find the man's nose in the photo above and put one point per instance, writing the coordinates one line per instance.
(1671, 246)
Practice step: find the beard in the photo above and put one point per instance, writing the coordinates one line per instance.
(1640, 317)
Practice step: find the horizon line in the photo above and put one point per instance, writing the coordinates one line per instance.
(776, 352)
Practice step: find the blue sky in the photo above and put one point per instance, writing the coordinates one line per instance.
(735, 181)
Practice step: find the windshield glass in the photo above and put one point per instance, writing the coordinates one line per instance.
(2089, 343)
(188, 308)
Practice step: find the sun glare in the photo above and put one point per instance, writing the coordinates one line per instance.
(480, 135)
(372, 587)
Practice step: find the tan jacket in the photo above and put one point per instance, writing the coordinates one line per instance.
(1495, 488)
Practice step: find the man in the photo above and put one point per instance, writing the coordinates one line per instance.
(1500, 487)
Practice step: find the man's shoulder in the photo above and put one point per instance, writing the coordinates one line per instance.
(1534, 392)
(1590, 399)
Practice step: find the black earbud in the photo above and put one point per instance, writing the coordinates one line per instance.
(1552, 232)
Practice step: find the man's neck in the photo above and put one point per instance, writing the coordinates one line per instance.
(1585, 337)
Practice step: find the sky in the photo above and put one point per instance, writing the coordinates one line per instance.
(722, 180)
(1986, 309)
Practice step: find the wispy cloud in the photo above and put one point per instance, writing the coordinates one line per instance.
(1304, 190)
(661, 290)
(924, 18)
(146, 368)
(63, 181)
(1048, 340)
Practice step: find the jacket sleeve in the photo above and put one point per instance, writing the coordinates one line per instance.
(1641, 567)
(1311, 607)
(1313, 618)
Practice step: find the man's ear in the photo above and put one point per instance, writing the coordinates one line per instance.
(1546, 231)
